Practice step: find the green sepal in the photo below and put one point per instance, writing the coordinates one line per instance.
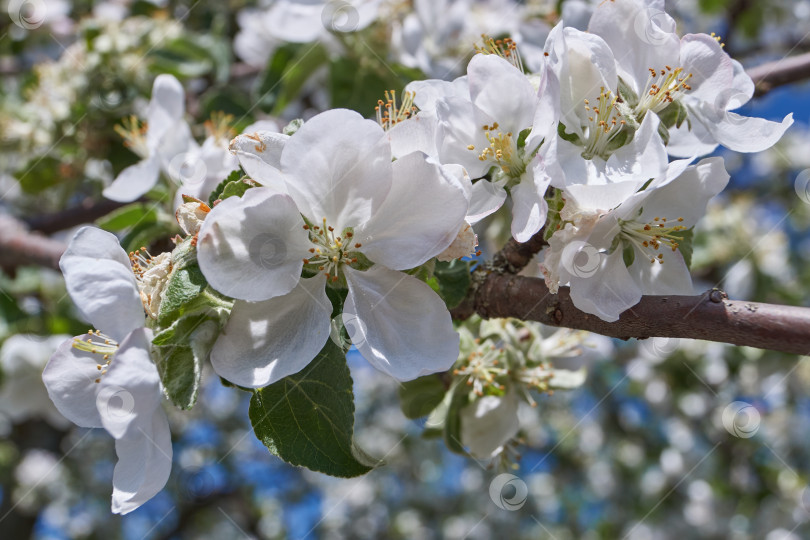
(555, 203)
(627, 94)
(674, 114)
(307, 419)
(419, 397)
(570, 137)
(628, 254)
(685, 244)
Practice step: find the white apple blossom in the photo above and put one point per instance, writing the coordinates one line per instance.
(493, 118)
(357, 206)
(601, 145)
(106, 378)
(165, 136)
(661, 69)
(615, 247)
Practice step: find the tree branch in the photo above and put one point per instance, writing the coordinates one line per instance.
(780, 72)
(87, 211)
(20, 247)
(711, 316)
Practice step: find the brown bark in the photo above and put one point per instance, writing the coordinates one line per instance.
(20, 247)
(780, 72)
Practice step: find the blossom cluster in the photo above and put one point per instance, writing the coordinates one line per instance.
(336, 231)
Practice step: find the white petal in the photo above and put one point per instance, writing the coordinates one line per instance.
(339, 167)
(743, 133)
(296, 22)
(144, 463)
(100, 281)
(645, 157)
(488, 423)
(134, 181)
(70, 378)
(492, 79)
(641, 36)
(419, 218)
(399, 324)
(417, 134)
(686, 142)
(711, 68)
(130, 390)
(672, 277)
(458, 128)
(607, 292)
(486, 198)
(259, 154)
(529, 207)
(252, 248)
(428, 93)
(687, 195)
(264, 342)
(166, 107)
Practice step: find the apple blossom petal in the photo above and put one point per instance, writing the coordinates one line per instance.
(420, 217)
(529, 206)
(428, 93)
(259, 153)
(398, 323)
(687, 195)
(742, 133)
(488, 423)
(502, 92)
(100, 281)
(416, 134)
(134, 181)
(457, 130)
(296, 21)
(70, 378)
(338, 166)
(252, 248)
(641, 36)
(711, 69)
(264, 342)
(687, 141)
(607, 292)
(486, 198)
(166, 107)
(130, 389)
(144, 463)
(743, 85)
(645, 157)
(672, 277)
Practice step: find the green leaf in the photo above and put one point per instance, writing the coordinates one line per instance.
(128, 216)
(307, 419)
(628, 254)
(217, 193)
(288, 69)
(458, 399)
(144, 234)
(236, 189)
(40, 175)
(454, 281)
(185, 285)
(420, 396)
(179, 353)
